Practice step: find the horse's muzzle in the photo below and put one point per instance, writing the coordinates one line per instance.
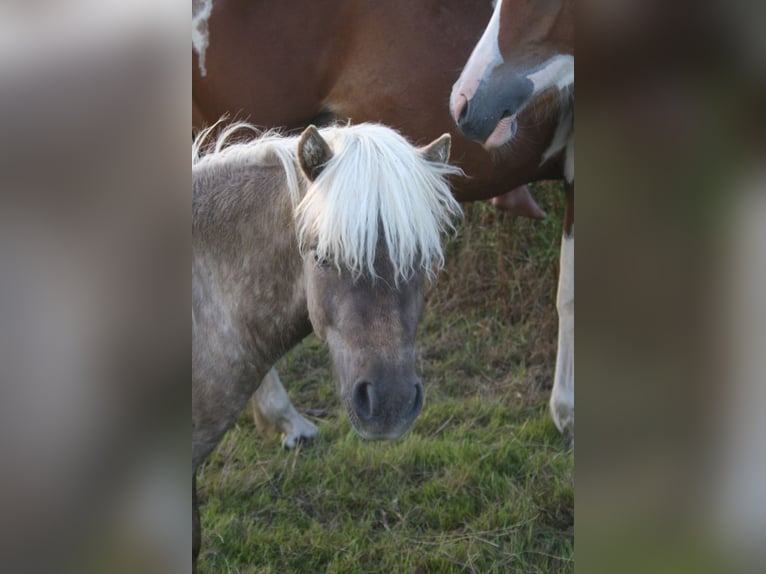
(500, 95)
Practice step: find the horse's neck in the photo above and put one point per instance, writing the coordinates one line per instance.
(247, 273)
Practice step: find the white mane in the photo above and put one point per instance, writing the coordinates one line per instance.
(375, 183)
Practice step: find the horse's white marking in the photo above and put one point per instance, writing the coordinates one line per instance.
(274, 411)
(201, 10)
(563, 139)
(557, 71)
(484, 58)
(406, 196)
(562, 396)
(560, 137)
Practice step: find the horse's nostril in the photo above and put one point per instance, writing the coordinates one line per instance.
(463, 112)
(364, 398)
(459, 108)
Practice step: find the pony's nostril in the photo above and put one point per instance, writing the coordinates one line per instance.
(418, 404)
(364, 397)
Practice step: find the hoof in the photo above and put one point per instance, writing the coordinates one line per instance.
(302, 432)
(563, 416)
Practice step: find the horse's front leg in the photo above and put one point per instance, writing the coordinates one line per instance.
(273, 412)
(562, 397)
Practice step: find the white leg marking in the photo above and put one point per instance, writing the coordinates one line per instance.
(201, 10)
(562, 397)
(273, 412)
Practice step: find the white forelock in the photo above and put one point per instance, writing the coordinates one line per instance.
(376, 182)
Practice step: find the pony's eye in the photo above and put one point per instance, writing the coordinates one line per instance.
(322, 261)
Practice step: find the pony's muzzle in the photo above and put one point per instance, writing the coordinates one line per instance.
(384, 413)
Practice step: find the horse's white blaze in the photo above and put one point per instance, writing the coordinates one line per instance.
(562, 396)
(558, 71)
(274, 411)
(201, 10)
(485, 56)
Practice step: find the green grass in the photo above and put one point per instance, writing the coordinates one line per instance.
(482, 482)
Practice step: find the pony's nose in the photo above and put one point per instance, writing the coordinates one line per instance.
(368, 406)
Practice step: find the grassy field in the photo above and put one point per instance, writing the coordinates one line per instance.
(481, 483)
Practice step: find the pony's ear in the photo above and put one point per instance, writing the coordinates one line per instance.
(438, 150)
(313, 152)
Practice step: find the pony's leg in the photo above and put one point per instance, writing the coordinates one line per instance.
(273, 412)
(216, 404)
(562, 397)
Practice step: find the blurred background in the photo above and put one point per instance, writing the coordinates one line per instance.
(670, 331)
(94, 296)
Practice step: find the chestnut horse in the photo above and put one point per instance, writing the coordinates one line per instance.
(289, 64)
(336, 232)
(525, 53)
